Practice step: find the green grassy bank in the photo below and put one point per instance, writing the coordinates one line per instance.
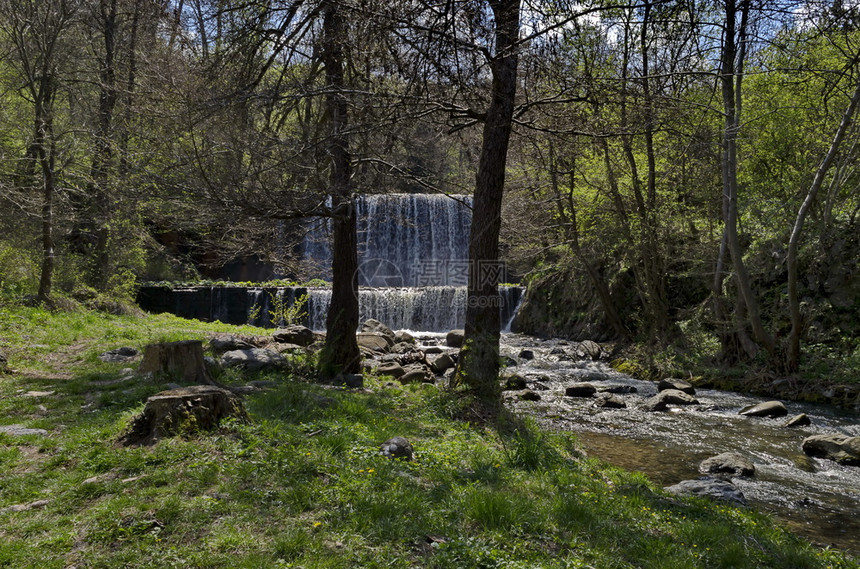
(303, 485)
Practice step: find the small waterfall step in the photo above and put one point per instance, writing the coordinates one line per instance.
(428, 309)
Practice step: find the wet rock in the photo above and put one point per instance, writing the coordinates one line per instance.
(374, 326)
(397, 447)
(610, 402)
(677, 397)
(441, 363)
(580, 390)
(514, 383)
(373, 341)
(619, 389)
(801, 420)
(454, 338)
(679, 384)
(654, 404)
(391, 369)
(227, 343)
(119, 355)
(727, 463)
(402, 336)
(841, 448)
(254, 359)
(21, 430)
(526, 354)
(301, 335)
(708, 487)
(432, 349)
(540, 386)
(766, 409)
(558, 351)
(589, 349)
(508, 361)
(529, 395)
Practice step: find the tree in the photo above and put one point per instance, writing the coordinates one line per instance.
(39, 34)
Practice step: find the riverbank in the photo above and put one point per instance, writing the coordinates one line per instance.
(302, 484)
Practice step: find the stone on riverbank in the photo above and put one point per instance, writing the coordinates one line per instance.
(580, 390)
(708, 487)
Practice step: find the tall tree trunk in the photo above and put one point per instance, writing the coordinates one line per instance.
(479, 360)
(731, 76)
(44, 143)
(99, 262)
(341, 352)
(792, 358)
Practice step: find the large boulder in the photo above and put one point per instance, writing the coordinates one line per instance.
(841, 448)
(440, 363)
(403, 336)
(679, 384)
(416, 373)
(374, 326)
(373, 341)
(590, 350)
(727, 463)
(454, 338)
(766, 409)
(707, 487)
(254, 359)
(228, 342)
(390, 369)
(677, 397)
(301, 335)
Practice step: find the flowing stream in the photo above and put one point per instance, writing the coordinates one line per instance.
(817, 498)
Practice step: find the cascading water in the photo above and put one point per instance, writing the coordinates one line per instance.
(413, 263)
(428, 309)
(404, 240)
(413, 268)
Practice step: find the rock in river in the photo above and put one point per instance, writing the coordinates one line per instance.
(730, 463)
(766, 409)
(841, 448)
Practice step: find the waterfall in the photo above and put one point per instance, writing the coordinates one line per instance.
(413, 268)
(403, 240)
(428, 309)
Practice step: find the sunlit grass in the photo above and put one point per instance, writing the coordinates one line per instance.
(303, 484)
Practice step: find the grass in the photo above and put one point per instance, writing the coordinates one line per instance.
(303, 484)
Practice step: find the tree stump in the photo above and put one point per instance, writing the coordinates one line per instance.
(180, 360)
(184, 410)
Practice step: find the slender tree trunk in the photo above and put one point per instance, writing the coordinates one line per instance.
(479, 360)
(99, 262)
(341, 352)
(571, 234)
(793, 353)
(731, 75)
(44, 142)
